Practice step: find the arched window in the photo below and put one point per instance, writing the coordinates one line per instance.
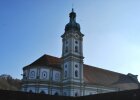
(56, 93)
(76, 66)
(65, 66)
(76, 48)
(65, 94)
(76, 94)
(65, 73)
(30, 91)
(42, 92)
(76, 42)
(76, 73)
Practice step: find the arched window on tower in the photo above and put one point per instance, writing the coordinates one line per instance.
(76, 48)
(76, 73)
(76, 42)
(76, 66)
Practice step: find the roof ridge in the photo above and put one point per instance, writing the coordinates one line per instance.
(51, 56)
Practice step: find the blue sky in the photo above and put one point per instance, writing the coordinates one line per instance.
(31, 28)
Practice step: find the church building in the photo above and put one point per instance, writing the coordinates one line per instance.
(68, 75)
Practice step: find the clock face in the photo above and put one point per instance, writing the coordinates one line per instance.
(44, 74)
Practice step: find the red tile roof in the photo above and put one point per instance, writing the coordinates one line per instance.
(45, 60)
(92, 75)
(104, 77)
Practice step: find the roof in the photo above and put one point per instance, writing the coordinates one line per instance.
(104, 77)
(45, 60)
(92, 75)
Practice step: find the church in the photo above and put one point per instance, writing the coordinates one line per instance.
(68, 75)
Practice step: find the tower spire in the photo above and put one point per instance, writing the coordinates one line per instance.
(72, 15)
(72, 9)
(72, 25)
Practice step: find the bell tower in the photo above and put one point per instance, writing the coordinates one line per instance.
(72, 58)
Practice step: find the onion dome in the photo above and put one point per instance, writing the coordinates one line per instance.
(72, 25)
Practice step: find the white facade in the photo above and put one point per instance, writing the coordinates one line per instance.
(39, 80)
(67, 81)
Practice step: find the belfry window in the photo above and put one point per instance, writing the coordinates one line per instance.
(76, 73)
(76, 48)
(76, 42)
(76, 66)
